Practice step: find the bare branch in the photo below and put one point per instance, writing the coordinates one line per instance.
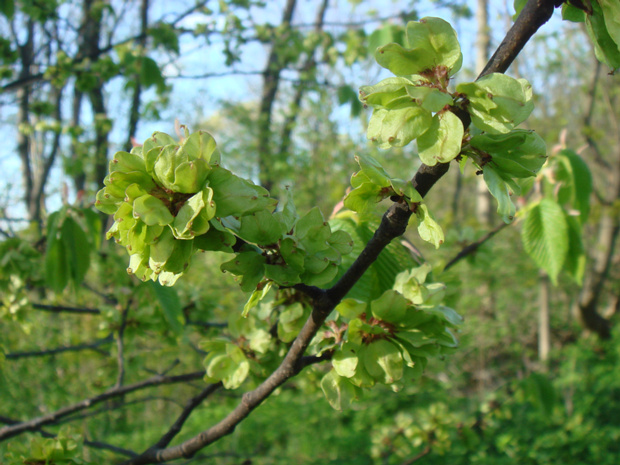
(8, 432)
(59, 350)
(120, 345)
(534, 14)
(64, 309)
(93, 444)
(189, 408)
(473, 247)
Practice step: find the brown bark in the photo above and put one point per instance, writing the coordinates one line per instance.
(26, 51)
(271, 80)
(134, 111)
(310, 64)
(588, 305)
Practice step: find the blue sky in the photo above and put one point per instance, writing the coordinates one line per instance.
(189, 97)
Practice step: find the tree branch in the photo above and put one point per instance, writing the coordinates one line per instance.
(535, 13)
(8, 432)
(93, 444)
(64, 309)
(189, 408)
(473, 247)
(120, 345)
(59, 350)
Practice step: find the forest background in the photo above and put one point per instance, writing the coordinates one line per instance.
(534, 377)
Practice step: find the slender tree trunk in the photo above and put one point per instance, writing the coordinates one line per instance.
(79, 178)
(309, 65)
(23, 117)
(90, 34)
(544, 312)
(134, 111)
(609, 229)
(484, 201)
(271, 79)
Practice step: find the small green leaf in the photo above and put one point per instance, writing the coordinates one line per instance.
(287, 214)
(398, 126)
(345, 360)
(428, 228)
(575, 264)
(260, 228)
(383, 361)
(429, 98)
(255, 298)
(291, 320)
(518, 154)
(364, 198)
(384, 35)
(338, 391)
(603, 28)
(217, 238)
(77, 249)
(126, 162)
(152, 211)
(373, 171)
(432, 43)
(387, 93)
(250, 266)
(313, 231)
(545, 236)
(193, 217)
(497, 102)
(171, 305)
(57, 271)
(282, 275)
(571, 13)
(499, 189)
(576, 180)
(441, 143)
(200, 145)
(351, 308)
(236, 196)
(390, 307)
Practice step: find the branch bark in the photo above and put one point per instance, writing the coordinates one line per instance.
(474, 246)
(60, 350)
(8, 432)
(64, 309)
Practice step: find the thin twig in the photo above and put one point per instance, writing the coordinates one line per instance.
(120, 345)
(8, 432)
(93, 444)
(60, 350)
(65, 309)
(193, 403)
(473, 247)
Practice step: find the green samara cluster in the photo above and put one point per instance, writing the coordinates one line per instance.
(390, 339)
(165, 197)
(170, 199)
(418, 105)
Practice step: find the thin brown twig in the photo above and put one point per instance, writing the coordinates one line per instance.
(474, 246)
(8, 432)
(59, 350)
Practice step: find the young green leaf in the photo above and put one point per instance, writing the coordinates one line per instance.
(441, 143)
(545, 236)
(429, 229)
(500, 190)
(338, 391)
